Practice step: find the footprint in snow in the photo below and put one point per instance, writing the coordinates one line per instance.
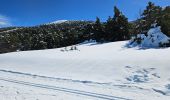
(128, 67)
(141, 75)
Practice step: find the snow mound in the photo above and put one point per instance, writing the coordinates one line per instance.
(154, 38)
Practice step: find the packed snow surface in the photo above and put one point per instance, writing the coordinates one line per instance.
(92, 71)
(153, 39)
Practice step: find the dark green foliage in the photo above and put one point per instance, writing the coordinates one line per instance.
(153, 14)
(109, 29)
(98, 31)
(164, 20)
(121, 26)
(149, 16)
(44, 36)
(88, 32)
(117, 28)
(65, 34)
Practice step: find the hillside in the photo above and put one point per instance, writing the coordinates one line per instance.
(101, 50)
(93, 71)
(44, 36)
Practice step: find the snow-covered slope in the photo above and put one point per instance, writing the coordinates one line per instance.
(153, 39)
(58, 22)
(92, 72)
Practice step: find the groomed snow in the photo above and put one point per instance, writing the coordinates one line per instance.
(107, 70)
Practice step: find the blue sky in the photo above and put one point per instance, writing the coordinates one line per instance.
(34, 12)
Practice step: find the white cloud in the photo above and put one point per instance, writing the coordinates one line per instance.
(4, 21)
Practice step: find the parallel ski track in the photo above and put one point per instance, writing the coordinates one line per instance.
(67, 90)
(62, 89)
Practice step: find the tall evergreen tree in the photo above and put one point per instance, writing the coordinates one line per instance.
(150, 15)
(98, 31)
(116, 28)
(88, 32)
(121, 26)
(109, 29)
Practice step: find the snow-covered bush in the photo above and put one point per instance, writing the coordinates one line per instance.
(154, 38)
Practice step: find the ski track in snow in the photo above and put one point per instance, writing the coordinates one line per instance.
(88, 83)
(10, 76)
(14, 78)
(51, 87)
(47, 77)
(79, 92)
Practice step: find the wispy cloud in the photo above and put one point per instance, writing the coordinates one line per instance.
(4, 21)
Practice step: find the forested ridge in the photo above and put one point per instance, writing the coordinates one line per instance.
(116, 28)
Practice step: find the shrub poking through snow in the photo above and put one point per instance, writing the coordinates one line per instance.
(70, 48)
(154, 38)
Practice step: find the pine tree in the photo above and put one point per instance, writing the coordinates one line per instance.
(109, 29)
(117, 28)
(150, 15)
(98, 31)
(121, 26)
(88, 32)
